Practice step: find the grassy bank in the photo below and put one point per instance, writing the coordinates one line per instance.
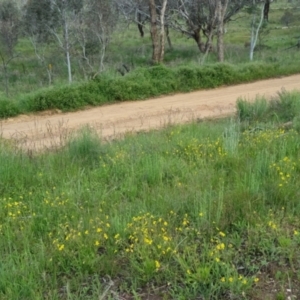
(142, 83)
(201, 211)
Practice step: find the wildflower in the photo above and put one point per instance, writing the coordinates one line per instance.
(256, 279)
(157, 264)
(97, 243)
(147, 241)
(223, 279)
(220, 246)
(61, 247)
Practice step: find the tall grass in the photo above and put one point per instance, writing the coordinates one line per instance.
(201, 210)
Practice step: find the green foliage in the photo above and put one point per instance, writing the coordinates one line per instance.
(255, 111)
(85, 149)
(283, 108)
(206, 207)
(8, 108)
(9, 27)
(39, 18)
(144, 83)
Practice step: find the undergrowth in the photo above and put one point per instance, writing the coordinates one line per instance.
(141, 83)
(208, 210)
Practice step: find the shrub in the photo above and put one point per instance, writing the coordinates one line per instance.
(8, 108)
(143, 83)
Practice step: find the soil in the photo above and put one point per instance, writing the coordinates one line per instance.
(52, 128)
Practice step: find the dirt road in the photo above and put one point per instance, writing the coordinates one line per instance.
(48, 130)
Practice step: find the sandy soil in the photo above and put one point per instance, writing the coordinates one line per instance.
(50, 129)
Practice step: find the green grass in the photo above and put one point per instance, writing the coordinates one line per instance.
(27, 75)
(208, 210)
(143, 83)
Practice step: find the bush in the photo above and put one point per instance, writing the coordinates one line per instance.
(142, 83)
(283, 108)
(8, 108)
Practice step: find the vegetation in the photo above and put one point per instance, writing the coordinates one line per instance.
(208, 210)
(114, 63)
(142, 83)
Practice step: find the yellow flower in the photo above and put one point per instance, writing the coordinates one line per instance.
(223, 279)
(157, 264)
(147, 241)
(230, 279)
(220, 246)
(256, 279)
(61, 247)
(97, 243)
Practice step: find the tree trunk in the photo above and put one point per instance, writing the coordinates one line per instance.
(67, 48)
(220, 13)
(140, 24)
(266, 10)
(162, 30)
(154, 32)
(197, 38)
(67, 45)
(255, 32)
(157, 36)
(168, 37)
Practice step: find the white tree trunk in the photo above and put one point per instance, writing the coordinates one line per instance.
(255, 31)
(67, 46)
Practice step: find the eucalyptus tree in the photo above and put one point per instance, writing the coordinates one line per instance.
(93, 32)
(135, 11)
(9, 33)
(153, 11)
(257, 11)
(203, 19)
(40, 19)
(67, 12)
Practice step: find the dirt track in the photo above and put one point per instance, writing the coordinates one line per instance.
(47, 130)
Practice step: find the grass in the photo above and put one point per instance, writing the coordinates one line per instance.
(208, 210)
(28, 78)
(143, 83)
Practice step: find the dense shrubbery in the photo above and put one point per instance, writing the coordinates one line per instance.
(142, 83)
(8, 108)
